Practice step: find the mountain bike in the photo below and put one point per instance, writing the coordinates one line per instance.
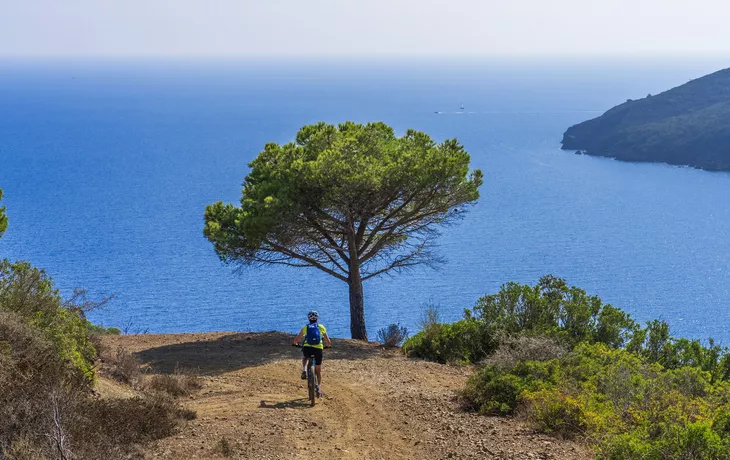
(312, 384)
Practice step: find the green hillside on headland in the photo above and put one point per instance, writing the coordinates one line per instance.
(687, 125)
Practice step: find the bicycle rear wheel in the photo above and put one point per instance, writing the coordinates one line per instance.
(311, 382)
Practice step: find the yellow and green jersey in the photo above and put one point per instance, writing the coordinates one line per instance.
(322, 332)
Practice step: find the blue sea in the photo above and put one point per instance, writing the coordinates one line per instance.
(107, 167)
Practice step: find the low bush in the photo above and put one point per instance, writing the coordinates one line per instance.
(31, 371)
(496, 389)
(393, 335)
(29, 293)
(120, 365)
(656, 345)
(47, 407)
(94, 329)
(695, 442)
(516, 348)
(224, 448)
(623, 405)
(554, 412)
(554, 309)
(180, 383)
(460, 342)
(576, 367)
(128, 420)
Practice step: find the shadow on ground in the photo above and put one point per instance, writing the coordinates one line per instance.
(236, 351)
(300, 403)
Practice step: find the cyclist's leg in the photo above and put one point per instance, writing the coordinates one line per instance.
(305, 356)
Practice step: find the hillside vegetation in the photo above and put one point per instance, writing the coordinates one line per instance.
(687, 125)
(579, 368)
(49, 407)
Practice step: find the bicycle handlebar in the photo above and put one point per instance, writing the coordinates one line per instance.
(301, 346)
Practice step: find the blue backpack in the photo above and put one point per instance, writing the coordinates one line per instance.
(313, 334)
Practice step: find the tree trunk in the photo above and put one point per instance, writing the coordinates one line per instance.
(357, 308)
(354, 281)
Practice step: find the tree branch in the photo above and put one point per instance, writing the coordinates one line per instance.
(307, 259)
(361, 231)
(329, 238)
(333, 260)
(402, 223)
(378, 227)
(401, 262)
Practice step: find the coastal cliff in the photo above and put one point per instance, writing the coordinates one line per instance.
(687, 125)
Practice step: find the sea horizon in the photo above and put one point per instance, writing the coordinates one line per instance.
(109, 166)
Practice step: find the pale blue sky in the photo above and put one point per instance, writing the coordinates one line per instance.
(362, 27)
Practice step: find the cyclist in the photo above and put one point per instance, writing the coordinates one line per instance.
(313, 334)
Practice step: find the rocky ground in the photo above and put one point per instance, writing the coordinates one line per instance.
(377, 404)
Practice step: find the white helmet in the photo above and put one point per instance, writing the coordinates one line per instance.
(313, 315)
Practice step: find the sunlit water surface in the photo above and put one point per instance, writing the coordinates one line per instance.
(107, 168)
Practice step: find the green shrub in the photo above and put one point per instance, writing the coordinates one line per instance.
(29, 292)
(553, 308)
(460, 342)
(656, 345)
(47, 409)
(624, 405)
(95, 329)
(32, 374)
(627, 446)
(579, 368)
(555, 412)
(496, 390)
(696, 441)
(46, 398)
(550, 308)
(721, 422)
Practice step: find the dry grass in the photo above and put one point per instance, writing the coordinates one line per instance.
(224, 448)
(522, 347)
(47, 408)
(179, 383)
(129, 421)
(120, 365)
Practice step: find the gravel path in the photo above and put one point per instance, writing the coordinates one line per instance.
(377, 404)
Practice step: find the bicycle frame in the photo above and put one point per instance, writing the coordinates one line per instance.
(312, 380)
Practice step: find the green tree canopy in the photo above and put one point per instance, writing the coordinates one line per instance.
(3, 217)
(352, 200)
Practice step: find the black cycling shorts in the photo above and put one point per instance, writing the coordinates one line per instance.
(317, 352)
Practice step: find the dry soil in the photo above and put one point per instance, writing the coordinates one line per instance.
(377, 404)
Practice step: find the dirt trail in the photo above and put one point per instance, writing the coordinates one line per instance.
(377, 404)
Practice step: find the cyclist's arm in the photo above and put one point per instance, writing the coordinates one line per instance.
(298, 338)
(327, 340)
